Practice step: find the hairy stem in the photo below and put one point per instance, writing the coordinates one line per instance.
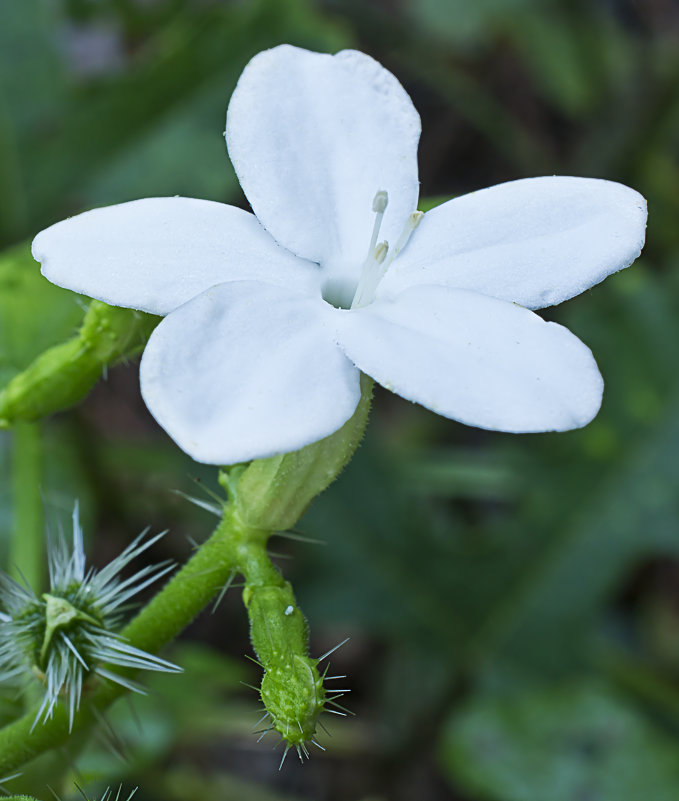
(268, 494)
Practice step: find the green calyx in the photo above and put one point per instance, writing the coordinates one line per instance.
(274, 493)
(64, 374)
(271, 495)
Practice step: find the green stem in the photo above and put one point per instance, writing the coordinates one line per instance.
(231, 546)
(227, 551)
(266, 495)
(63, 375)
(26, 554)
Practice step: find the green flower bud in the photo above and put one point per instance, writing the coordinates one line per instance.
(69, 635)
(292, 690)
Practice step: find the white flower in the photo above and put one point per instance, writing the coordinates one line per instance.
(255, 358)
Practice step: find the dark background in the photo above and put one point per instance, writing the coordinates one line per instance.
(513, 602)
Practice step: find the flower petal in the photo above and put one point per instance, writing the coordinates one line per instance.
(157, 253)
(537, 242)
(313, 137)
(247, 370)
(479, 360)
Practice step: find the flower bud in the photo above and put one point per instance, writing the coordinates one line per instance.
(70, 634)
(292, 690)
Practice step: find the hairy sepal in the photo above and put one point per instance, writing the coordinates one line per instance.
(274, 493)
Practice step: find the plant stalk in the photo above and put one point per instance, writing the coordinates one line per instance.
(158, 623)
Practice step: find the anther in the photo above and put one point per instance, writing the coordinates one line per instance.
(380, 203)
(412, 222)
(381, 252)
(380, 256)
(376, 253)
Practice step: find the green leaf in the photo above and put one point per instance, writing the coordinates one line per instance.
(32, 75)
(32, 84)
(602, 499)
(188, 784)
(564, 743)
(195, 710)
(462, 23)
(34, 314)
(567, 56)
(464, 473)
(156, 128)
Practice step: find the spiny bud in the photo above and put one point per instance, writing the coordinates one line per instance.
(67, 635)
(292, 688)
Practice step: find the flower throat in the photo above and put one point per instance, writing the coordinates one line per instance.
(379, 256)
(377, 260)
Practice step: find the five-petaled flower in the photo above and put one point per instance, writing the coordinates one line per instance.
(271, 318)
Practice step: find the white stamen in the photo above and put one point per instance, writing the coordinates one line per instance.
(380, 256)
(380, 203)
(380, 253)
(412, 222)
(376, 253)
(373, 273)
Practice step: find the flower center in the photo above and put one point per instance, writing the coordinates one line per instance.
(379, 256)
(338, 293)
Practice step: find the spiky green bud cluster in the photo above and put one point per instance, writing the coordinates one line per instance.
(69, 634)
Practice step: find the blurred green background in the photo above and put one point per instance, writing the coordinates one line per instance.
(513, 602)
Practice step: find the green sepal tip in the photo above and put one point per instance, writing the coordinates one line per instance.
(273, 494)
